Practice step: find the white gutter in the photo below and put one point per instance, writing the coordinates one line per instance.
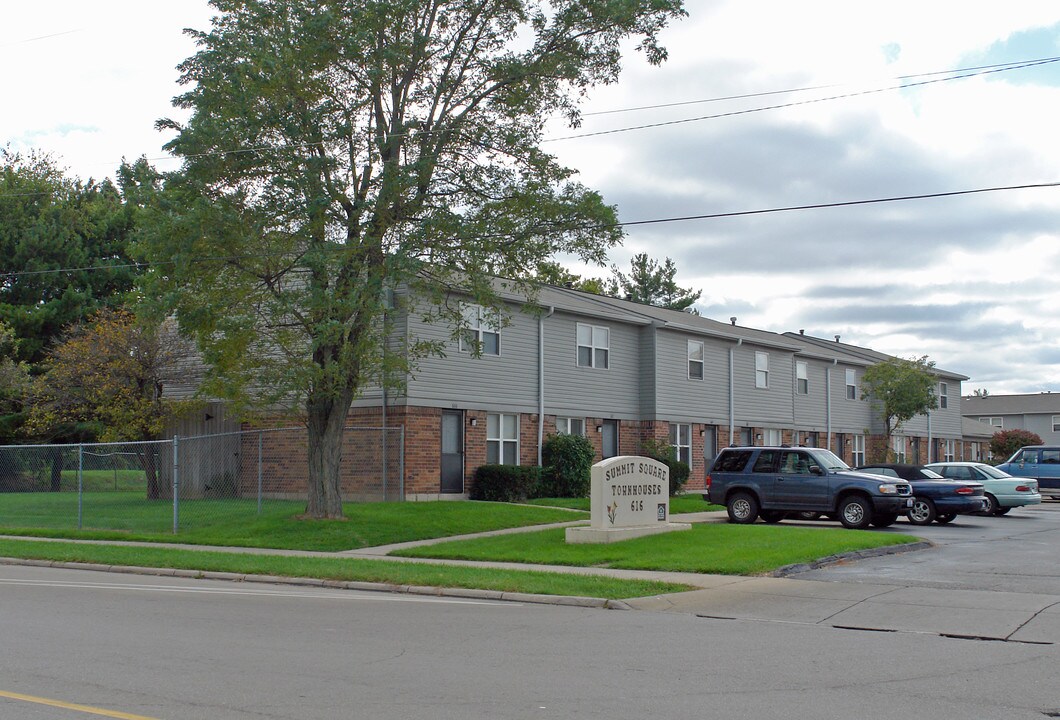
(541, 380)
(732, 390)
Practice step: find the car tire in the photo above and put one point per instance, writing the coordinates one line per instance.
(808, 516)
(855, 512)
(772, 516)
(742, 508)
(1002, 510)
(991, 505)
(884, 520)
(922, 512)
(945, 518)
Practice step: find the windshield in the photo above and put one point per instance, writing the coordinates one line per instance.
(827, 460)
(928, 473)
(993, 472)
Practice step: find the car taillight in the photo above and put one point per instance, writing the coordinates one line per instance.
(708, 482)
(1023, 488)
(965, 490)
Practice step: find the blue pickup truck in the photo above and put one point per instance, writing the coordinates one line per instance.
(1041, 462)
(771, 482)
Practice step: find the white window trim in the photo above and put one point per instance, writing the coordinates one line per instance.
(681, 441)
(944, 396)
(761, 370)
(1056, 423)
(478, 326)
(851, 373)
(950, 451)
(771, 437)
(999, 422)
(898, 447)
(858, 453)
(701, 362)
(564, 425)
(594, 330)
(802, 377)
(500, 440)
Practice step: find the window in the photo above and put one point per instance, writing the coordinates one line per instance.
(802, 380)
(695, 359)
(852, 384)
(570, 426)
(593, 346)
(999, 423)
(502, 439)
(1056, 423)
(949, 455)
(761, 370)
(859, 450)
(944, 400)
(1050, 456)
(795, 463)
(898, 446)
(681, 440)
(772, 437)
(766, 462)
(731, 461)
(481, 332)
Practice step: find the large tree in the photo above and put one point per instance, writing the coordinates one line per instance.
(340, 147)
(899, 389)
(62, 249)
(652, 283)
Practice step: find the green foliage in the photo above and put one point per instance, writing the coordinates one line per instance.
(1005, 443)
(504, 483)
(900, 389)
(336, 149)
(664, 452)
(14, 374)
(568, 462)
(50, 222)
(652, 284)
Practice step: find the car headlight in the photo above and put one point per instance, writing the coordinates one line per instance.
(889, 489)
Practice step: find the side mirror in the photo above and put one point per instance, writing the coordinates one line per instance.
(816, 470)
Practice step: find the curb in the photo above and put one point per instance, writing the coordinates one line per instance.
(464, 593)
(789, 570)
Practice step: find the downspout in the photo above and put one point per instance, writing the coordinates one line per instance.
(931, 443)
(541, 380)
(794, 393)
(732, 391)
(828, 400)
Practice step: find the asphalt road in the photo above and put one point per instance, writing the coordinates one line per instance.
(148, 647)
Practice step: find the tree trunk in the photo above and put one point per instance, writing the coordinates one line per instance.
(326, 420)
(147, 462)
(58, 462)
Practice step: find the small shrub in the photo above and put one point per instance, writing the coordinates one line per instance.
(504, 483)
(664, 452)
(1006, 442)
(568, 462)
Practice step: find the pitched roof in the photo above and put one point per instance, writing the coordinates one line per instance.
(1031, 403)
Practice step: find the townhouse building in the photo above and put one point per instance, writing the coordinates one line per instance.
(1037, 412)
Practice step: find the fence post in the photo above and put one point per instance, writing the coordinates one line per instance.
(261, 434)
(80, 485)
(176, 483)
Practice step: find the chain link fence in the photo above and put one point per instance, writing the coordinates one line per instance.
(184, 483)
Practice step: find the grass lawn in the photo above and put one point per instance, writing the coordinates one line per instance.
(692, 502)
(379, 571)
(706, 548)
(128, 516)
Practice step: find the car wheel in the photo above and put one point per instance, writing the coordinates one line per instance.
(808, 516)
(991, 505)
(945, 518)
(772, 516)
(742, 508)
(922, 512)
(884, 520)
(855, 512)
(1002, 510)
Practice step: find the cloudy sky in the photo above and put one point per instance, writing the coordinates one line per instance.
(969, 280)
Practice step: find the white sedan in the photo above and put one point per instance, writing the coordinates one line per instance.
(1002, 490)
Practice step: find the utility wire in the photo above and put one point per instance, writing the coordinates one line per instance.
(632, 223)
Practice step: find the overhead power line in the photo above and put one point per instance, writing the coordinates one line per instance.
(631, 223)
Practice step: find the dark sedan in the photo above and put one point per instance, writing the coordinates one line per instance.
(935, 498)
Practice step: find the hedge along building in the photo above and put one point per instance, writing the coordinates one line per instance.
(619, 373)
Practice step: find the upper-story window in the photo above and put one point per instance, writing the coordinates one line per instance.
(1056, 423)
(570, 426)
(696, 351)
(761, 370)
(1000, 423)
(944, 399)
(802, 378)
(480, 332)
(852, 384)
(594, 346)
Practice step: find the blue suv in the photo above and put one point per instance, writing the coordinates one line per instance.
(1041, 462)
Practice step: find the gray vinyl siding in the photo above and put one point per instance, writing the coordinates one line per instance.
(947, 422)
(762, 407)
(682, 399)
(811, 409)
(508, 381)
(649, 372)
(614, 392)
(848, 416)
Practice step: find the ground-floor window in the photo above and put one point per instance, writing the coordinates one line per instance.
(859, 450)
(502, 439)
(898, 446)
(772, 437)
(570, 426)
(681, 441)
(950, 451)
